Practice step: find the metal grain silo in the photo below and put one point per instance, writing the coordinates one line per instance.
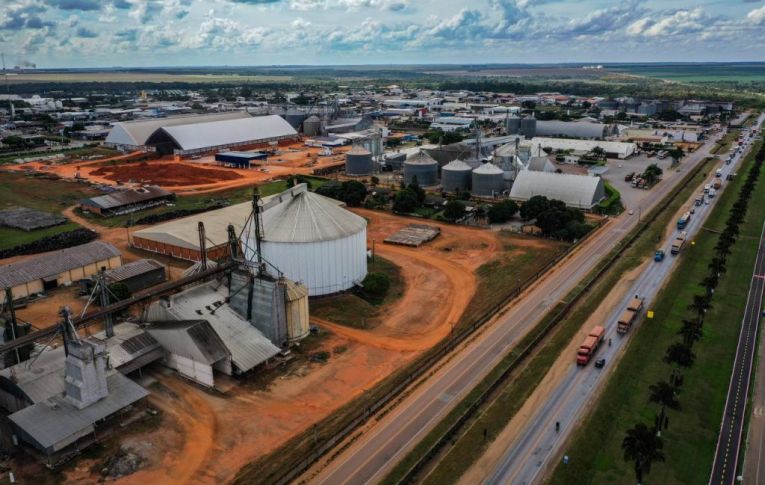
(312, 126)
(513, 125)
(456, 176)
(529, 127)
(395, 160)
(295, 117)
(358, 161)
(423, 167)
(488, 180)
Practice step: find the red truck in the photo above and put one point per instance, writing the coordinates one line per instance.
(629, 315)
(590, 345)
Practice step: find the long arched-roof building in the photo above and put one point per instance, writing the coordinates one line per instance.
(578, 191)
(186, 135)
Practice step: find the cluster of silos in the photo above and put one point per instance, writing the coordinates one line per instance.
(395, 161)
(295, 117)
(522, 126)
(456, 176)
(422, 167)
(487, 180)
(312, 126)
(358, 161)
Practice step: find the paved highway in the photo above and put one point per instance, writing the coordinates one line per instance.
(732, 427)
(375, 452)
(526, 460)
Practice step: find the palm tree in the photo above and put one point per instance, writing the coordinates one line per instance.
(700, 305)
(664, 394)
(710, 283)
(717, 265)
(642, 446)
(690, 331)
(679, 353)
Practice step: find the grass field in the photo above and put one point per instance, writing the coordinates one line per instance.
(17, 190)
(470, 445)
(690, 440)
(698, 73)
(71, 153)
(191, 202)
(501, 276)
(352, 310)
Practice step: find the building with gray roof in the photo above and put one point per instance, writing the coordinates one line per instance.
(127, 200)
(578, 191)
(572, 129)
(134, 135)
(221, 135)
(55, 268)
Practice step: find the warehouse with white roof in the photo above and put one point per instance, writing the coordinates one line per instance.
(613, 149)
(200, 134)
(578, 191)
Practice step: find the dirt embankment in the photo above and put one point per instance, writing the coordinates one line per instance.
(165, 174)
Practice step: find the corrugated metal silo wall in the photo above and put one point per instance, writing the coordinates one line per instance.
(455, 180)
(488, 184)
(529, 127)
(427, 174)
(267, 306)
(513, 126)
(357, 164)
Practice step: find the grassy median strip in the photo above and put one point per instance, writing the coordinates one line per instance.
(470, 443)
(689, 442)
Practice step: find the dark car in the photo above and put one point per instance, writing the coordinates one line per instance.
(600, 363)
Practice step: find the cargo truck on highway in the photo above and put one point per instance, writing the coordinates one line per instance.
(630, 314)
(678, 243)
(590, 345)
(683, 221)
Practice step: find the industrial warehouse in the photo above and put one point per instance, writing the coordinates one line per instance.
(200, 134)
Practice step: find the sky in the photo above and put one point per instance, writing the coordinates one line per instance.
(148, 33)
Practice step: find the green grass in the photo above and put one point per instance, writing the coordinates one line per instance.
(470, 445)
(192, 202)
(70, 153)
(14, 237)
(351, 310)
(690, 441)
(726, 141)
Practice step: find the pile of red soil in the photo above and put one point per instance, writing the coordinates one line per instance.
(165, 174)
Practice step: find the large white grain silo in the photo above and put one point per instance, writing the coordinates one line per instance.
(311, 239)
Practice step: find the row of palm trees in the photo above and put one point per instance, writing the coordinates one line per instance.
(643, 444)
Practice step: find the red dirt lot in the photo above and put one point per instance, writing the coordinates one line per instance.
(165, 174)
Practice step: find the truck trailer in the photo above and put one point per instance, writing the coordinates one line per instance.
(590, 345)
(630, 314)
(683, 221)
(678, 243)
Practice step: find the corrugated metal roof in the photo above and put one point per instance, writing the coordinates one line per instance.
(310, 217)
(421, 158)
(54, 263)
(248, 347)
(575, 190)
(228, 132)
(488, 169)
(130, 270)
(42, 380)
(56, 423)
(194, 339)
(136, 133)
(575, 129)
(127, 197)
(129, 344)
(305, 217)
(457, 165)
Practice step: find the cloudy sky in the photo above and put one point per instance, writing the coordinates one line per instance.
(96, 33)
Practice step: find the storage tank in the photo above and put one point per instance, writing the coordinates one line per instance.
(358, 161)
(295, 117)
(529, 127)
(395, 160)
(513, 125)
(456, 176)
(296, 302)
(311, 240)
(312, 126)
(423, 167)
(488, 180)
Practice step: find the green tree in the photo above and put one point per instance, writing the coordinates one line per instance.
(664, 394)
(681, 354)
(375, 286)
(405, 201)
(502, 212)
(417, 190)
(354, 193)
(534, 206)
(643, 447)
(454, 210)
(690, 331)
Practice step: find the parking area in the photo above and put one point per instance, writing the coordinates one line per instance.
(618, 169)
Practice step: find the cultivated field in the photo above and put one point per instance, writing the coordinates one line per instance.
(128, 77)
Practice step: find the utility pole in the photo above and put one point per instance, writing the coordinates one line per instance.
(104, 299)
